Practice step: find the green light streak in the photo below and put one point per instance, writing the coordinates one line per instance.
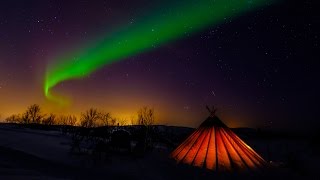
(152, 31)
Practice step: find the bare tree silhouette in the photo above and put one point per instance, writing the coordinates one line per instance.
(105, 119)
(89, 118)
(33, 114)
(25, 118)
(146, 116)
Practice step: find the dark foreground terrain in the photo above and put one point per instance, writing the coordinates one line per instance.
(36, 154)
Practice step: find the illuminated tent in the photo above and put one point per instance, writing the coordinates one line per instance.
(214, 146)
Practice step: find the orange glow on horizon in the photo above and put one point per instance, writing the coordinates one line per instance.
(123, 104)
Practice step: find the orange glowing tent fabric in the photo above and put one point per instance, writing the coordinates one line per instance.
(214, 146)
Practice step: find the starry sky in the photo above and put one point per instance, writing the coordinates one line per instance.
(259, 68)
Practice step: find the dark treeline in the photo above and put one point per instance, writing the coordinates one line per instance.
(95, 131)
(88, 119)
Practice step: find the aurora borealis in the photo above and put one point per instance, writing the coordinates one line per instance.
(255, 60)
(187, 17)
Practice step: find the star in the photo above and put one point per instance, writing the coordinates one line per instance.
(213, 93)
(186, 107)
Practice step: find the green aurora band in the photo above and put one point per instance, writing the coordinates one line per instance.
(151, 31)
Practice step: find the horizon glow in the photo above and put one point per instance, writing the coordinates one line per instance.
(150, 32)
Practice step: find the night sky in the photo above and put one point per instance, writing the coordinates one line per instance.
(259, 68)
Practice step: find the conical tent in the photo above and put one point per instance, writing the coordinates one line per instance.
(214, 146)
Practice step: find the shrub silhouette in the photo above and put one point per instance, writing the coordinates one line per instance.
(50, 120)
(15, 118)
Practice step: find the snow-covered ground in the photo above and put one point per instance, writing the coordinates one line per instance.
(36, 154)
(51, 145)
